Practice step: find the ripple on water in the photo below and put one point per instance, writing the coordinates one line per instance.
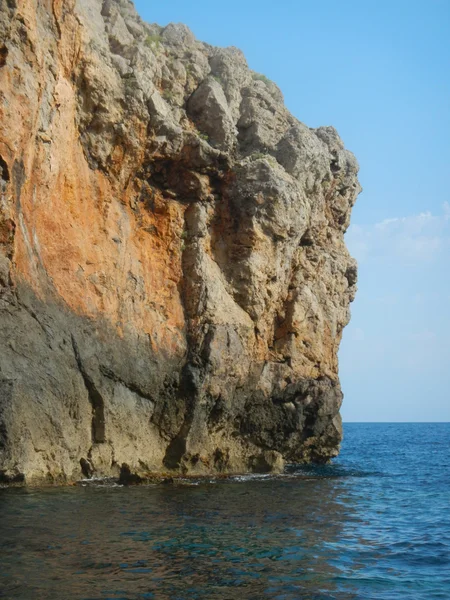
(372, 525)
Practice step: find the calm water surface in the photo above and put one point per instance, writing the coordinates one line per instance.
(374, 525)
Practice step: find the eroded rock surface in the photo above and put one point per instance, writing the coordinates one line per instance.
(173, 276)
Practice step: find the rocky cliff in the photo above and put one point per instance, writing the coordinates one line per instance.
(173, 276)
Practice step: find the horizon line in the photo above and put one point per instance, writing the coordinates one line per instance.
(394, 422)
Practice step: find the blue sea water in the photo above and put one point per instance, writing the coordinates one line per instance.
(374, 525)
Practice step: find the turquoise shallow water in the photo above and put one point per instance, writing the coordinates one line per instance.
(374, 525)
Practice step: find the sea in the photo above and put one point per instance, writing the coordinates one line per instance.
(375, 524)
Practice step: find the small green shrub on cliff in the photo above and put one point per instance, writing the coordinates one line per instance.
(268, 157)
(153, 41)
(260, 77)
(167, 95)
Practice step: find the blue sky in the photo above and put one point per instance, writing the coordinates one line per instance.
(379, 71)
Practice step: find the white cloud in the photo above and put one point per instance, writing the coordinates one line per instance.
(386, 223)
(446, 207)
(413, 239)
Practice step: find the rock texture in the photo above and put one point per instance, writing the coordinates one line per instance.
(173, 276)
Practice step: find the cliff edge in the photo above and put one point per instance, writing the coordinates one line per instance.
(173, 275)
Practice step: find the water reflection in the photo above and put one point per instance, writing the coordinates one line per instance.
(256, 539)
(372, 526)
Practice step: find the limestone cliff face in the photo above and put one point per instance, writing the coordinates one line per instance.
(173, 276)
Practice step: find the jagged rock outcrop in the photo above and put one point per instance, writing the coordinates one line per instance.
(173, 276)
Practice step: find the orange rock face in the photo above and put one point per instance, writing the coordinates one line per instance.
(77, 234)
(174, 281)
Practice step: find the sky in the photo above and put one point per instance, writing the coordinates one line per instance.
(378, 71)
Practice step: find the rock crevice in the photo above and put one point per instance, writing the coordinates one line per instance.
(95, 398)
